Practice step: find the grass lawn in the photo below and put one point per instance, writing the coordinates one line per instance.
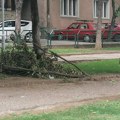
(102, 67)
(84, 51)
(105, 110)
(99, 67)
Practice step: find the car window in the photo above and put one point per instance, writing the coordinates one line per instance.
(0, 25)
(84, 26)
(74, 26)
(9, 24)
(24, 23)
(107, 26)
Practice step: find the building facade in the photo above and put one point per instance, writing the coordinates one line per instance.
(9, 9)
(60, 13)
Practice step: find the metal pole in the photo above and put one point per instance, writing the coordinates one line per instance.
(3, 36)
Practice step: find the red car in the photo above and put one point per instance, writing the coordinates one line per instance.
(115, 32)
(86, 31)
(78, 30)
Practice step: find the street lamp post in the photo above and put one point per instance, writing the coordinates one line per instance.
(3, 35)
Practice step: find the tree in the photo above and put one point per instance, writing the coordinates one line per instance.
(39, 62)
(18, 4)
(114, 16)
(35, 28)
(35, 24)
(98, 44)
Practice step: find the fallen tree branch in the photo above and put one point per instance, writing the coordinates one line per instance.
(55, 54)
(24, 70)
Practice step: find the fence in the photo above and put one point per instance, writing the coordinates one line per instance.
(8, 33)
(50, 37)
(82, 36)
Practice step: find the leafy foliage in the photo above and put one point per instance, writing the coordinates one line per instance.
(25, 60)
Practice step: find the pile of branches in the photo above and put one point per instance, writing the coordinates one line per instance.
(22, 60)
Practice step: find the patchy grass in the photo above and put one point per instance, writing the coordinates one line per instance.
(105, 110)
(84, 51)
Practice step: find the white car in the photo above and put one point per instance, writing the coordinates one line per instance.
(9, 29)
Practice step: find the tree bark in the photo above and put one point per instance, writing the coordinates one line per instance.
(35, 28)
(18, 4)
(98, 44)
(115, 15)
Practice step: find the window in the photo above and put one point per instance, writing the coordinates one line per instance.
(84, 26)
(9, 24)
(74, 26)
(69, 8)
(24, 23)
(105, 10)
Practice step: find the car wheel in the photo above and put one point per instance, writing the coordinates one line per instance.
(28, 37)
(117, 38)
(60, 37)
(87, 38)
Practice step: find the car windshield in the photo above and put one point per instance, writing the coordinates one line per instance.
(74, 26)
(8, 24)
(107, 26)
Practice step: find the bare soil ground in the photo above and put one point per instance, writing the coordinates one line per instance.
(31, 94)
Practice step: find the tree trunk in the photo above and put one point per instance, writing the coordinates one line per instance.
(113, 19)
(98, 44)
(18, 4)
(35, 28)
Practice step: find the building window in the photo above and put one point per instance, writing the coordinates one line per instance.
(105, 10)
(69, 8)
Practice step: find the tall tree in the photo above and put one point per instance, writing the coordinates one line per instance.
(114, 16)
(18, 4)
(35, 28)
(98, 44)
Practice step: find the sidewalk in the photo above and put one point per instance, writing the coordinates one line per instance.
(88, 57)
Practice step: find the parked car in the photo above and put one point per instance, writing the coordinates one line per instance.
(115, 32)
(9, 29)
(84, 30)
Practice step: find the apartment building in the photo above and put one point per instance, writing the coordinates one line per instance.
(60, 13)
(9, 9)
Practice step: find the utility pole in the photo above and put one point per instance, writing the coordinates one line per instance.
(48, 13)
(3, 35)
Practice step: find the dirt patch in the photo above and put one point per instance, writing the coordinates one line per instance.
(29, 81)
(38, 95)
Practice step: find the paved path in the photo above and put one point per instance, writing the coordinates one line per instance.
(67, 43)
(91, 57)
(28, 93)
